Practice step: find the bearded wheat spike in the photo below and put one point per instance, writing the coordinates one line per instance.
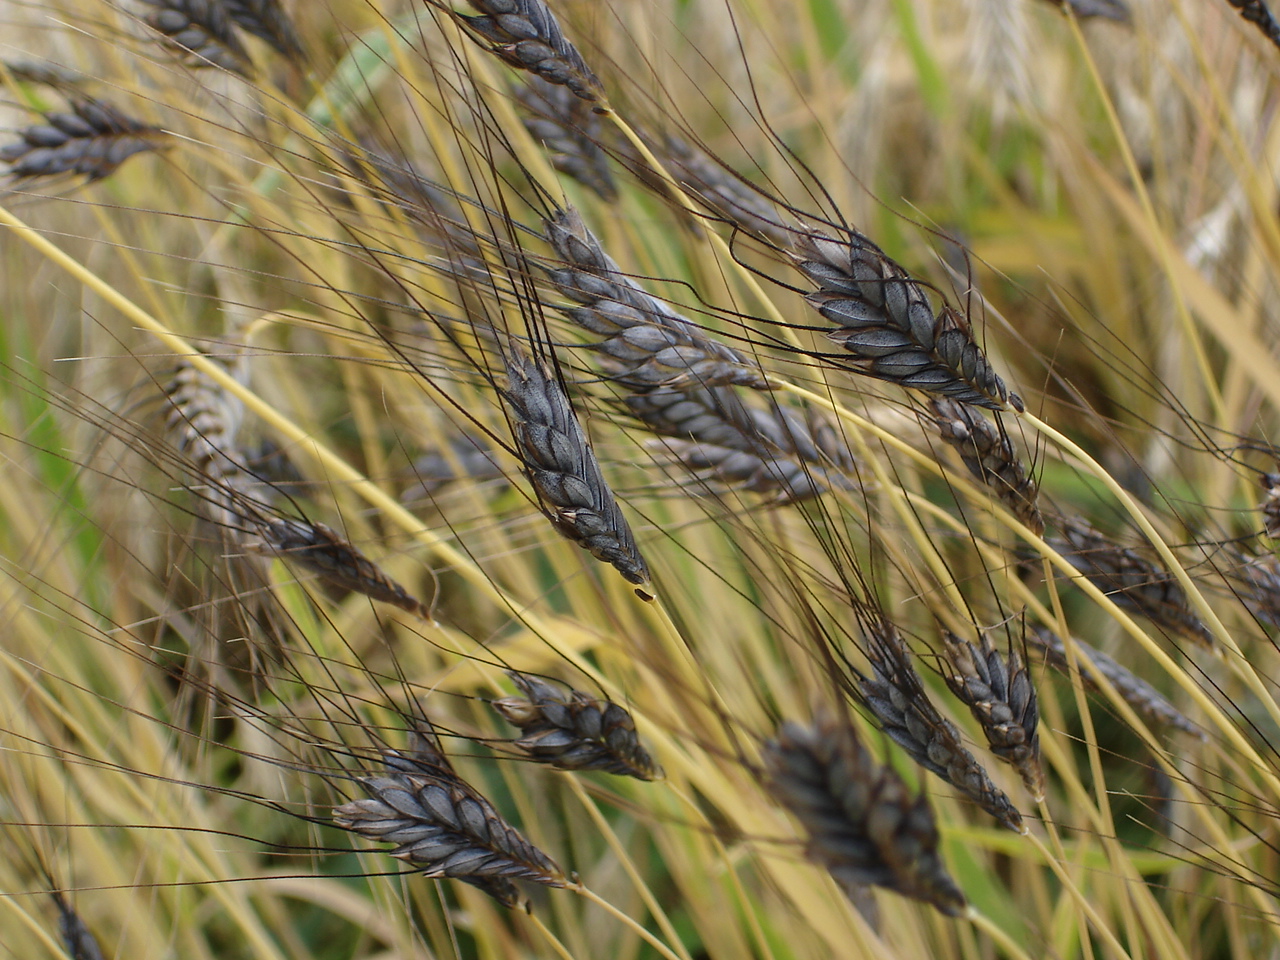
(988, 453)
(1135, 691)
(647, 344)
(203, 421)
(574, 731)
(443, 827)
(1115, 9)
(563, 469)
(203, 29)
(80, 942)
(92, 140)
(897, 698)
(1002, 699)
(1131, 581)
(266, 20)
(885, 320)
(783, 454)
(570, 132)
(526, 35)
(319, 548)
(863, 824)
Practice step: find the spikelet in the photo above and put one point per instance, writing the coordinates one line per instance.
(574, 731)
(76, 936)
(526, 35)
(267, 20)
(1131, 581)
(443, 827)
(897, 698)
(563, 469)
(1135, 691)
(203, 29)
(93, 140)
(647, 344)
(570, 132)
(863, 824)
(885, 320)
(1002, 699)
(319, 549)
(989, 455)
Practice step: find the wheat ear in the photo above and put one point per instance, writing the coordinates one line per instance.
(1000, 695)
(563, 469)
(897, 699)
(863, 824)
(443, 827)
(574, 731)
(92, 140)
(988, 453)
(527, 35)
(202, 29)
(884, 318)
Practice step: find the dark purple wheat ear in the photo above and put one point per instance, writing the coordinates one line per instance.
(574, 731)
(863, 824)
(443, 827)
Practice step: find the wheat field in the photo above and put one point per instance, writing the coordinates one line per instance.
(689, 479)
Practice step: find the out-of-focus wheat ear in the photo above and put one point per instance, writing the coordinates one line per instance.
(443, 827)
(1260, 15)
(93, 140)
(1002, 698)
(1116, 10)
(886, 321)
(1271, 505)
(570, 132)
(267, 20)
(80, 942)
(721, 190)
(574, 731)
(559, 461)
(526, 35)
(1258, 580)
(202, 29)
(647, 344)
(1131, 580)
(897, 699)
(203, 421)
(989, 455)
(1135, 691)
(319, 549)
(785, 455)
(43, 73)
(864, 825)
(469, 457)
